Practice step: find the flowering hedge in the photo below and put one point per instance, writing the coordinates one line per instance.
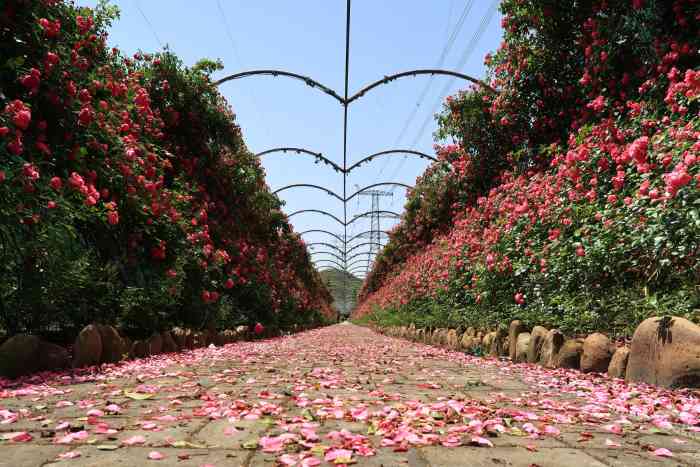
(127, 194)
(571, 197)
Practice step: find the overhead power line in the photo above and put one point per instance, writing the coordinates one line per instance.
(466, 54)
(148, 23)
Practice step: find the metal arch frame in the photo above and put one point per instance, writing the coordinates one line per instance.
(337, 237)
(386, 232)
(320, 157)
(344, 268)
(317, 155)
(389, 152)
(355, 247)
(345, 101)
(324, 244)
(339, 258)
(318, 211)
(309, 185)
(324, 260)
(408, 187)
(403, 74)
(362, 253)
(275, 73)
(358, 274)
(340, 198)
(358, 262)
(364, 214)
(358, 267)
(348, 100)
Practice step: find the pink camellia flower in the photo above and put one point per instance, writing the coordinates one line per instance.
(519, 298)
(258, 328)
(51, 204)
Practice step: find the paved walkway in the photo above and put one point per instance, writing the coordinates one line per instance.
(341, 395)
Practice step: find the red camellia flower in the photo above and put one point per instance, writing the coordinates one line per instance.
(229, 283)
(56, 183)
(30, 171)
(21, 115)
(2, 176)
(258, 328)
(51, 28)
(51, 205)
(85, 116)
(32, 80)
(113, 217)
(519, 298)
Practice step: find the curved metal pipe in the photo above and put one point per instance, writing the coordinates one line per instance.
(317, 155)
(385, 232)
(390, 78)
(422, 155)
(337, 237)
(327, 253)
(340, 266)
(329, 245)
(363, 244)
(364, 214)
(319, 211)
(362, 253)
(309, 185)
(408, 187)
(275, 73)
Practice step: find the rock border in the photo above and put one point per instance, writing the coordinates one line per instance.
(664, 351)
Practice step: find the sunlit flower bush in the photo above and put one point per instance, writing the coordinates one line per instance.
(127, 194)
(571, 197)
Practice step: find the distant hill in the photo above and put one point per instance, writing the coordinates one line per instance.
(335, 280)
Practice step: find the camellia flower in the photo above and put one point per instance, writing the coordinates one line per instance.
(113, 217)
(258, 328)
(56, 183)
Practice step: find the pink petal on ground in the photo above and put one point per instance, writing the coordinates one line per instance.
(310, 462)
(69, 455)
(309, 434)
(113, 408)
(663, 452)
(481, 441)
(338, 456)
(611, 444)
(287, 459)
(271, 443)
(95, 413)
(552, 430)
(17, 437)
(614, 428)
(155, 456)
(680, 441)
(138, 439)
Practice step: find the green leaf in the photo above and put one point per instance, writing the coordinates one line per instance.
(252, 443)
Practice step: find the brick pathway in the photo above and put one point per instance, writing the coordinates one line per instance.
(335, 395)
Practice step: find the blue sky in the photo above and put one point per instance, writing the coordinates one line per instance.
(308, 37)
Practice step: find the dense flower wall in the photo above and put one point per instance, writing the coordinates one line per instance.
(569, 197)
(127, 194)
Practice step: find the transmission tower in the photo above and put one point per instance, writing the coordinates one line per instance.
(375, 231)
